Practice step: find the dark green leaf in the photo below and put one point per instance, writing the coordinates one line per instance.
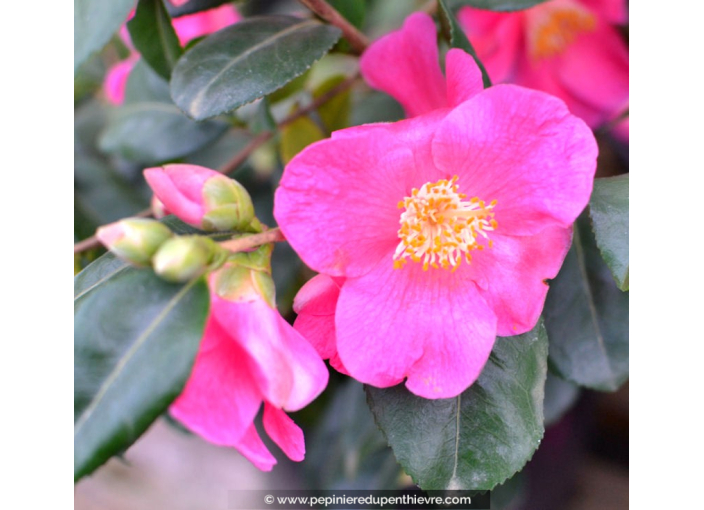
(94, 22)
(193, 6)
(154, 36)
(586, 316)
(145, 85)
(347, 450)
(480, 438)
(454, 34)
(135, 340)
(246, 61)
(608, 209)
(500, 5)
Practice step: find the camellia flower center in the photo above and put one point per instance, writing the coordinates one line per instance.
(439, 228)
(555, 28)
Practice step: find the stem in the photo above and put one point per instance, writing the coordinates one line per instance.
(245, 243)
(241, 156)
(357, 39)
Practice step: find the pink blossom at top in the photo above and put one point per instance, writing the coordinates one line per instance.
(404, 64)
(186, 27)
(248, 355)
(568, 48)
(434, 234)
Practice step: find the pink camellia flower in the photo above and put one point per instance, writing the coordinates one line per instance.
(186, 27)
(248, 355)
(434, 234)
(568, 48)
(200, 196)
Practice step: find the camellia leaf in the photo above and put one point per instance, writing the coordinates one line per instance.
(136, 337)
(501, 5)
(154, 36)
(246, 61)
(94, 23)
(193, 6)
(586, 316)
(483, 436)
(608, 209)
(135, 340)
(149, 128)
(560, 396)
(452, 31)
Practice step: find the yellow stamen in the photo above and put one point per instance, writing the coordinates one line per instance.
(555, 26)
(440, 229)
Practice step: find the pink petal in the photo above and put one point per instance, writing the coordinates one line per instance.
(611, 11)
(203, 23)
(595, 70)
(336, 203)
(284, 432)
(432, 326)
(464, 78)
(285, 366)
(116, 81)
(404, 64)
(220, 399)
(315, 305)
(522, 148)
(254, 450)
(514, 272)
(498, 39)
(180, 189)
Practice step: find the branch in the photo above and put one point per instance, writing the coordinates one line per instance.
(245, 243)
(357, 39)
(241, 156)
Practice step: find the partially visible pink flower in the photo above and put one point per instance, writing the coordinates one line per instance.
(178, 3)
(187, 28)
(568, 48)
(404, 64)
(200, 196)
(249, 355)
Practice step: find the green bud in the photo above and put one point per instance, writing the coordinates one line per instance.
(134, 239)
(183, 258)
(228, 205)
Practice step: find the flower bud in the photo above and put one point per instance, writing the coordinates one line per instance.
(134, 239)
(243, 284)
(182, 258)
(201, 197)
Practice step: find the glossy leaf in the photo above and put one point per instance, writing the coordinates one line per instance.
(193, 6)
(483, 436)
(298, 135)
(94, 23)
(586, 316)
(246, 61)
(149, 128)
(334, 113)
(454, 34)
(608, 209)
(501, 5)
(154, 36)
(136, 337)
